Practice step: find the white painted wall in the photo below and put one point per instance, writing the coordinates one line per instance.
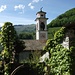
(44, 57)
(65, 42)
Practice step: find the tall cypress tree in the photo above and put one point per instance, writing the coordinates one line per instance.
(8, 37)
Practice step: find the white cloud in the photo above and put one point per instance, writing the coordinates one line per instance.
(31, 6)
(35, 1)
(2, 8)
(31, 3)
(20, 7)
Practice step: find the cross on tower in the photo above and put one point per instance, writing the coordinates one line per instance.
(41, 8)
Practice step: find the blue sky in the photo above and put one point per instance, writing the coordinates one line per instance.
(24, 11)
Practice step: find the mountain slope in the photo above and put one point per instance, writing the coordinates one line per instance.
(25, 28)
(65, 18)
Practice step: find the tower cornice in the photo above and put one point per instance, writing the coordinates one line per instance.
(41, 18)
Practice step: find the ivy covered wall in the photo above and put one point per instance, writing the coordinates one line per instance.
(62, 52)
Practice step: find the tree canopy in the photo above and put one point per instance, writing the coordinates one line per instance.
(8, 36)
(26, 35)
(11, 45)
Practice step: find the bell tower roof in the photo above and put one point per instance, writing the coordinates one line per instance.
(41, 11)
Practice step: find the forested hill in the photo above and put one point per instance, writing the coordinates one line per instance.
(25, 28)
(65, 18)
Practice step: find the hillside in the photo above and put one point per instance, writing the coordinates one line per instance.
(25, 28)
(65, 18)
(51, 31)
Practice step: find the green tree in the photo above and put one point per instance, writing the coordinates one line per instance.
(8, 37)
(26, 36)
(11, 46)
(19, 46)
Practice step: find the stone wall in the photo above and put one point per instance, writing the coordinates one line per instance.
(69, 39)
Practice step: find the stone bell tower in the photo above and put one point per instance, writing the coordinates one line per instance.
(41, 25)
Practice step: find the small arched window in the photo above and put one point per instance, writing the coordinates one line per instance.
(42, 15)
(42, 26)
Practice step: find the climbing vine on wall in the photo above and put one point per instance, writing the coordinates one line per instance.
(59, 35)
(61, 59)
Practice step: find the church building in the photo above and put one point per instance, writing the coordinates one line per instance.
(41, 36)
